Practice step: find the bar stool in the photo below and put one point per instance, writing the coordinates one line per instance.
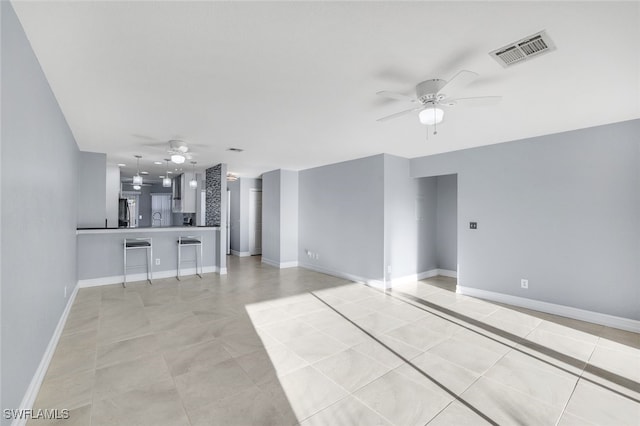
(136, 244)
(190, 241)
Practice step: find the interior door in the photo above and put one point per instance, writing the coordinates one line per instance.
(255, 222)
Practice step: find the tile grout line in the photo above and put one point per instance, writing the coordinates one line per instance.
(444, 388)
(523, 340)
(575, 386)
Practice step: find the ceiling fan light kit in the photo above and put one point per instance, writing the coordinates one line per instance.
(433, 95)
(430, 116)
(178, 158)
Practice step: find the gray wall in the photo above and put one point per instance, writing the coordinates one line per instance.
(112, 194)
(271, 216)
(447, 222)
(401, 221)
(412, 219)
(39, 172)
(560, 210)
(92, 186)
(341, 217)
(234, 216)
(426, 211)
(289, 192)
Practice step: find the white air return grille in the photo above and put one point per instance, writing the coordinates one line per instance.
(525, 49)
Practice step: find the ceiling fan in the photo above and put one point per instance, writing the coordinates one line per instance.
(432, 95)
(179, 151)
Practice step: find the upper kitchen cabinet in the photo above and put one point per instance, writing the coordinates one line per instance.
(184, 197)
(98, 187)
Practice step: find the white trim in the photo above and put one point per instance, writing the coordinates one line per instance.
(280, 265)
(448, 273)
(414, 277)
(117, 279)
(220, 271)
(346, 276)
(424, 275)
(270, 262)
(552, 308)
(240, 253)
(38, 377)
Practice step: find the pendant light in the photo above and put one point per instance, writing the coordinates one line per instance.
(137, 179)
(166, 180)
(193, 183)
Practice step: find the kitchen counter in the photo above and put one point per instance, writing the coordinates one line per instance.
(145, 229)
(100, 253)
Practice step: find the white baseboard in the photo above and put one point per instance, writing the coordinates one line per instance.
(373, 283)
(240, 253)
(427, 274)
(38, 377)
(281, 265)
(448, 273)
(220, 271)
(552, 308)
(116, 279)
(424, 275)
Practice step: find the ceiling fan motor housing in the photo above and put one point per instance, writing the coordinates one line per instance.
(178, 145)
(427, 91)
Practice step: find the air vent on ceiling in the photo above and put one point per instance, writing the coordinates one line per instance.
(525, 49)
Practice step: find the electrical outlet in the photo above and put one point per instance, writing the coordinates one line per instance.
(157, 261)
(524, 283)
(473, 225)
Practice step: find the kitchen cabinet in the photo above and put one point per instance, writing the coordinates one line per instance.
(183, 196)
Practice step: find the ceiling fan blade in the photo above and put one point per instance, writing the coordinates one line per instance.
(475, 101)
(398, 114)
(396, 96)
(461, 79)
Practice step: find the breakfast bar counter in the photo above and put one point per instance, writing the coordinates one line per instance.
(100, 253)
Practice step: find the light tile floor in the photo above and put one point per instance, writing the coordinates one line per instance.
(263, 346)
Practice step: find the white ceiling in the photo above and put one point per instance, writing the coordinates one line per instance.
(294, 83)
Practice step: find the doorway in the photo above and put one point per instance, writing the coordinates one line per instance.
(160, 210)
(255, 222)
(437, 215)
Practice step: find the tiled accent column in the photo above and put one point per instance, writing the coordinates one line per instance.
(213, 188)
(216, 200)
